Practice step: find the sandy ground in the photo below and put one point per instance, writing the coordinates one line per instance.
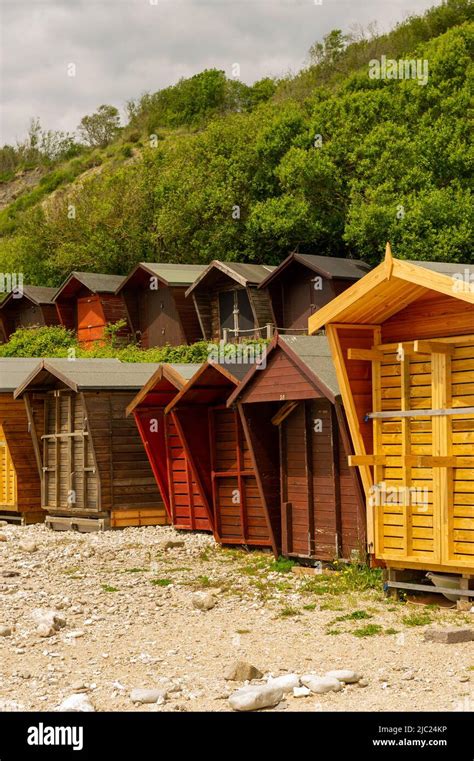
(130, 623)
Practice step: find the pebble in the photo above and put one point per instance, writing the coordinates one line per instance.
(3, 538)
(5, 631)
(321, 684)
(141, 695)
(363, 683)
(204, 600)
(344, 675)
(45, 630)
(287, 682)
(301, 692)
(241, 671)
(254, 697)
(48, 618)
(29, 547)
(78, 703)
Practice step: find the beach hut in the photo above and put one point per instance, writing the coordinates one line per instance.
(20, 494)
(94, 470)
(218, 453)
(167, 455)
(32, 306)
(303, 283)
(292, 413)
(87, 302)
(402, 340)
(229, 303)
(158, 311)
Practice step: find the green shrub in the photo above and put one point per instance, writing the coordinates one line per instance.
(53, 341)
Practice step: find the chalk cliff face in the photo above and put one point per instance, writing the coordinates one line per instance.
(24, 181)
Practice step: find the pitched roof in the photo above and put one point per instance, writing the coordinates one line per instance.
(93, 281)
(38, 294)
(313, 356)
(168, 273)
(14, 370)
(91, 374)
(176, 374)
(201, 391)
(242, 273)
(327, 266)
(390, 287)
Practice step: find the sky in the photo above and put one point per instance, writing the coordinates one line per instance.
(120, 49)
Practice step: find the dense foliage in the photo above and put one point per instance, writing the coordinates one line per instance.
(330, 161)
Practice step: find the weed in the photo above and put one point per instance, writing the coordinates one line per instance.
(333, 632)
(391, 630)
(108, 588)
(311, 606)
(243, 631)
(282, 565)
(367, 631)
(135, 570)
(356, 615)
(417, 619)
(161, 582)
(288, 611)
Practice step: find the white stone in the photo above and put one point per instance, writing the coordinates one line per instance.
(344, 675)
(51, 618)
(204, 600)
(77, 703)
(141, 695)
(301, 692)
(287, 682)
(254, 697)
(321, 684)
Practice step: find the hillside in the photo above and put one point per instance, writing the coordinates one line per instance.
(329, 160)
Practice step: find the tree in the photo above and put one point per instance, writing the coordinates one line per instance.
(99, 129)
(329, 50)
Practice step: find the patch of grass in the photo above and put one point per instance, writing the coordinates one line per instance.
(243, 631)
(288, 612)
(391, 630)
(356, 615)
(283, 586)
(108, 588)
(417, 619)
(333, 632)
(368, 631)
(331, 605)
(311, 606)
(161, 582)
(205, 554)
(71, 571)
(282, 565)
(135, 570)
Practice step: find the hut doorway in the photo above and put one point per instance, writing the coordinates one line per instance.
(8, 482)
(239, 516)
(188, 508)
(70, 476)
(423, 494)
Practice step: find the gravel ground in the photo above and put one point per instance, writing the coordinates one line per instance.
(130, 622)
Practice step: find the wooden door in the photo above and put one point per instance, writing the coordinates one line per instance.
(69, 473)
(90, 319)
(8, 479)
(239, 516)
(424, 478)
(188, 510)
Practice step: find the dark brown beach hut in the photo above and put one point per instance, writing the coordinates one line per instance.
(293, 417)
(158, 311)
(32, 306)
(303, 283)
(229, 303)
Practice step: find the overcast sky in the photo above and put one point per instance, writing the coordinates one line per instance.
(122, 48)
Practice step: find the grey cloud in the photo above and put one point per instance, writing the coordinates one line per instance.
(124, 47)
